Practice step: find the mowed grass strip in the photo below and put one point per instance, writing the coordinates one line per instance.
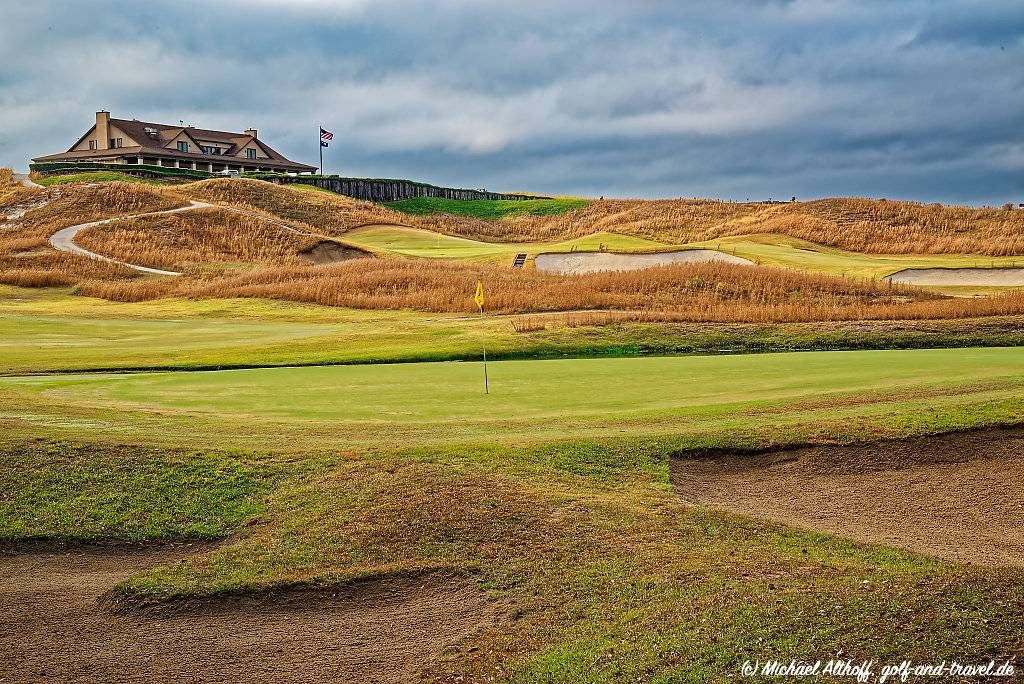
(487, 209)
(95, 177)
(418, 242)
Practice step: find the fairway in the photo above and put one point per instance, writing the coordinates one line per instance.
(417, 242)
(791, 252)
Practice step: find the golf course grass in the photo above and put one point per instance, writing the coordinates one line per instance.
(47, 331)
(790, 252)
(417, 242)
(768, 250)
(443, 403)
(552, 492)
(488, 209)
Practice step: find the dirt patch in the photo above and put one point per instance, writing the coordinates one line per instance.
(54, 626)
(958, 276)
(959, 497)
(12, 213)
(576, 263)
(328, 252)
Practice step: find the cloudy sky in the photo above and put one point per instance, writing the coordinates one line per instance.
(914, 99)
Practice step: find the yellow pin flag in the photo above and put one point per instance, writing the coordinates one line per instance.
(479, 299)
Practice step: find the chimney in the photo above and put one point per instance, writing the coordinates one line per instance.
(102, 129)
(250, 131)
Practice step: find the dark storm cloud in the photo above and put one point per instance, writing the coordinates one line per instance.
(746, 99)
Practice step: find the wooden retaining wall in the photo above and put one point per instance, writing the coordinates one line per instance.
(384, 190)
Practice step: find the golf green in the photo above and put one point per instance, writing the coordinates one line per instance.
(606, 390)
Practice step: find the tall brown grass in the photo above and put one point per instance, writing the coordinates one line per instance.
(683, 292)
(213, 241)
(322, 212)
(25, 253)
(204, 236)
(862, 225)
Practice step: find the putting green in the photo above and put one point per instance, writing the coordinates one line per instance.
(584, 396)
(424, 243)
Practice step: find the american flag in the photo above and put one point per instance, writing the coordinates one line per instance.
(326, 136)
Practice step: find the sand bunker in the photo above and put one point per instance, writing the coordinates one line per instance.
(958, 276)
(576, 263)
(328, 252)
(959, 497)
(55, 628)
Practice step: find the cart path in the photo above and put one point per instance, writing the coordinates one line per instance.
(64, 239)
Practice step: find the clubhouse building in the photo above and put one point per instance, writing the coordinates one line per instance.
(123, 141)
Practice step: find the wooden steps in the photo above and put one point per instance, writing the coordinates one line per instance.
(519, 261)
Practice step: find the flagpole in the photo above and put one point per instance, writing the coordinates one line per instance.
(483, 342)
(320, 144)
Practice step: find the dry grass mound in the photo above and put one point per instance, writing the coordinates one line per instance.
(316, 211)
(203, 236)
(25, 255)
(11, 192)
(860, 225)
(685, 292)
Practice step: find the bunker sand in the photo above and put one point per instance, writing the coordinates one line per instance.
(56, 627)
(958, 497)
(579, 263)
(993, 277)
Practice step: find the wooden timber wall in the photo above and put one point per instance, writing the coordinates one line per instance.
(384, 190)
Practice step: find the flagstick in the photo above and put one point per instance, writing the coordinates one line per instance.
(483, 342)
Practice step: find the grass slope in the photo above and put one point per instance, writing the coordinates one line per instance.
(790, 252)
(53, 331)
(489, 210)
(95, 177)
(60, 491)
(552, 492)
(418, 242)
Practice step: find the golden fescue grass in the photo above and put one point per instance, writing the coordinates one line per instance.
(203, 236)
(324, 212)
(684, 292)
(25, 254)
(11, 192)
(861, 225)
(213, 242)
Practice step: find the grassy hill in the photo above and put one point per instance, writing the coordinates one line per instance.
(254, 245)
(487, 209)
